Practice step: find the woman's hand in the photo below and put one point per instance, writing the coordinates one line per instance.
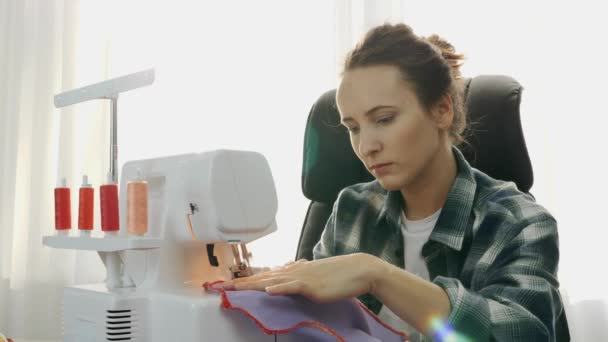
(324, 280)
(257, 270)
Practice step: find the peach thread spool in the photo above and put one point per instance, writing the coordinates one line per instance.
(137, 206)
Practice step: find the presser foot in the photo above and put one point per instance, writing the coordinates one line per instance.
(241, 267)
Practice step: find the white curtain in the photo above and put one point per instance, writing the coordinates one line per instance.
(44, 49)
(229, 75)
(243, 75)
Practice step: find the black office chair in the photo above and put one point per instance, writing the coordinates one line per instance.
(495, 145)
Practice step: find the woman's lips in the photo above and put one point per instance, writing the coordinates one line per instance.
(380, 169)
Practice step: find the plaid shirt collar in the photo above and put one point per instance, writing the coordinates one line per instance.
(451, 226)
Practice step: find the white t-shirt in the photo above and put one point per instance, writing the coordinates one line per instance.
(415, 235)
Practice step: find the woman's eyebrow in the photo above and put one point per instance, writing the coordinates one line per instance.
(368, 112)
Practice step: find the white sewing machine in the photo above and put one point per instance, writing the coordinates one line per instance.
(203, 208)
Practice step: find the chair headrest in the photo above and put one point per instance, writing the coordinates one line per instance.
(495, 143)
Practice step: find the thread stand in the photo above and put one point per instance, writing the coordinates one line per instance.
(110, 250)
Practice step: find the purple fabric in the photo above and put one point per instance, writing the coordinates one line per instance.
(282, 314)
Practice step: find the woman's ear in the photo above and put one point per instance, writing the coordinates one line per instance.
(443, 112)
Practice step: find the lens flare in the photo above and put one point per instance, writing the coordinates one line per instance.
(443, 332)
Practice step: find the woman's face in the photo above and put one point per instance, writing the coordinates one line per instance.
(390, 131)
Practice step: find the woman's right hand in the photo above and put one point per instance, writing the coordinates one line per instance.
(259, 270)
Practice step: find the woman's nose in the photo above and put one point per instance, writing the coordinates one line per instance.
(368, 144)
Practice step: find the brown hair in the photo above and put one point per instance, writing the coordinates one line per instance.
(430, 64)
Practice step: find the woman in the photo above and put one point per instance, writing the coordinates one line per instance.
(476, 258)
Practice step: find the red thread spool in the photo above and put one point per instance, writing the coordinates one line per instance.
(63, 207)
(85, 205)
(108, 195)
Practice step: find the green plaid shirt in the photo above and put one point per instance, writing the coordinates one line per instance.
(493, 250)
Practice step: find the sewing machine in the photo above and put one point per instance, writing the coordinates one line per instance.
(203, 209)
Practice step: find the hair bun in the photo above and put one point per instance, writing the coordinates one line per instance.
(448, 52)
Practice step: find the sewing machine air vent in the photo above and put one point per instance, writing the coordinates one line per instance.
(119, 325)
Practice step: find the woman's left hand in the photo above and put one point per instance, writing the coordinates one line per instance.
(324, 280)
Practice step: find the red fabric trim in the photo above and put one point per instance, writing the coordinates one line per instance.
(313, 324)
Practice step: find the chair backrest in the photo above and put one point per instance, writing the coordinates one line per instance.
(495, 145)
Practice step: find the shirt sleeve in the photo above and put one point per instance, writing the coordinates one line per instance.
(325, 248)
(519, 300)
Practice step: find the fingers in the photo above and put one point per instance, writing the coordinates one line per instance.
(284, 266)
(288, 265)
(260, 270)
(260, 285)
(288, 288)
(298, 262)
(298, 287)
(266, 277)
(258, 277)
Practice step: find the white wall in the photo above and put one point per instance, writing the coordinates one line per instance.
(229, 75)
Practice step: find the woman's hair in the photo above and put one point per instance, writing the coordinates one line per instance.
(430, 64)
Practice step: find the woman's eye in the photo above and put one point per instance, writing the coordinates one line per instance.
(353, 130)
(385, 119)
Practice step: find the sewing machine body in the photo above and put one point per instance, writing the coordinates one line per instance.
(153, 290)
(95, 313)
